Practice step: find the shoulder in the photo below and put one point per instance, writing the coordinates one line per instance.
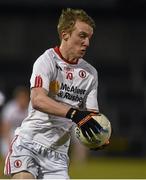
(46, 56)
(46, 59)
(88, 67)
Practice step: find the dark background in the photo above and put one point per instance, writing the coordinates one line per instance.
(117, 50)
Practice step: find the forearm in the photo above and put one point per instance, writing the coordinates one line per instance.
(43, 103)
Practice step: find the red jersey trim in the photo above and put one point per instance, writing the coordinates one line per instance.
(7, 169)
(38, 82)
(56, 49)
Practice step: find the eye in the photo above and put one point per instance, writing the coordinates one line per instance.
(83, 35)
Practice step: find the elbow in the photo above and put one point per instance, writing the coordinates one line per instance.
(35, 101)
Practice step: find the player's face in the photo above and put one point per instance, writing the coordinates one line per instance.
(78, 40)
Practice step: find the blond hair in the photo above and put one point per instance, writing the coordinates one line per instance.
(69, 17)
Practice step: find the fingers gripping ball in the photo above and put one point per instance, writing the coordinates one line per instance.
(84, 121)
(98, 139)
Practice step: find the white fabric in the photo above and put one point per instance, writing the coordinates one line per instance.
(13, 115)
(36, 159)
(75, 84)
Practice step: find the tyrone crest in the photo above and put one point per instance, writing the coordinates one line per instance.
(18, 163)
(82, 73)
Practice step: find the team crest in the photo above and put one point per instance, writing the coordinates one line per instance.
(82, 73)
(18, 163)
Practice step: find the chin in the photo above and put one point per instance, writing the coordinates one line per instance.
(82, 55)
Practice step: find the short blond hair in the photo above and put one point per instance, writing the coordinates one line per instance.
(69, 17)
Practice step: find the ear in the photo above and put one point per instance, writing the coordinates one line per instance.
(65, 35)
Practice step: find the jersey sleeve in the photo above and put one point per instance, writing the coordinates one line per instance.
(42, 73)
(91, 100)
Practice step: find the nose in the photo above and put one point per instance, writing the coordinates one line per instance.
(86, 43)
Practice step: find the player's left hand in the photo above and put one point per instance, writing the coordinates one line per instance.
(101, 147)
(88, 125)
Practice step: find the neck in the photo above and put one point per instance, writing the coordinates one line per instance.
(66, 53)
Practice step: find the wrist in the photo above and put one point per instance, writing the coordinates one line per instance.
(71, 113)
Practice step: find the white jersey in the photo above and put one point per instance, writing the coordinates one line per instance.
(74, 84)
(13, 114)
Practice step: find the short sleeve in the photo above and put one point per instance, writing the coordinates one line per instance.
(42, 73)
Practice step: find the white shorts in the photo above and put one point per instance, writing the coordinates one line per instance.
(41, 162)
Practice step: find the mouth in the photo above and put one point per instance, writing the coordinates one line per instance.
(83, 50)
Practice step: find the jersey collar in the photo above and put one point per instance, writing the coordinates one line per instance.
(56, 49)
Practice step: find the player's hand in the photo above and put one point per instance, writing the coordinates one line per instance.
(84, 120)
(101, 147)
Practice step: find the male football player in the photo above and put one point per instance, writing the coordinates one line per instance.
(63, 92)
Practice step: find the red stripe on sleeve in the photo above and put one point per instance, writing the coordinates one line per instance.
(38, 81)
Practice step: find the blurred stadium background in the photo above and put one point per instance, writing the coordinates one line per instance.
(117, 50)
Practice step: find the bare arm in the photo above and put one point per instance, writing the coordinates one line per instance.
(40, 101)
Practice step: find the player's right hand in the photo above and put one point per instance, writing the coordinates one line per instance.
(85, 121)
